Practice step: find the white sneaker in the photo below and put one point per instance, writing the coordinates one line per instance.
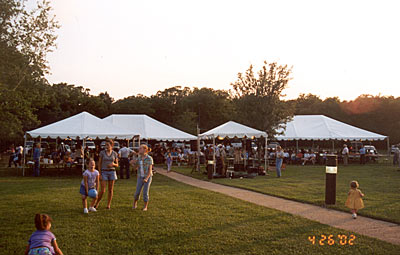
(354, 215)
(85, 210)
(92, 209)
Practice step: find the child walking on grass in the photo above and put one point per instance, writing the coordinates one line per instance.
(90, 181)
(354, 199)
(42, 241)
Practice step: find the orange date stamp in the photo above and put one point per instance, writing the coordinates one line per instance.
(330, 240)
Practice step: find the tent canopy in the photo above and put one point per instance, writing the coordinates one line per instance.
(232, 129)
(320, 127)
(148, 128)
(83, 125)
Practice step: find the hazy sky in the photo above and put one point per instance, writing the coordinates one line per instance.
(337, 48)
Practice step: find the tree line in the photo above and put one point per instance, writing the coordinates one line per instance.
(28, 101)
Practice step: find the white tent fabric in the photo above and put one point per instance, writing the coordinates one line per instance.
(83, 125)
(148, 128)
(232, 129)
(320, 127)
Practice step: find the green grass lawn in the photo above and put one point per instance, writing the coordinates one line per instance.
(379, 182)
(181, 220)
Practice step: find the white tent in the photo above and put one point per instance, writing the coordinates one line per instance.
(83, 125)
(232, 129)
(320, 127)
(148, 128)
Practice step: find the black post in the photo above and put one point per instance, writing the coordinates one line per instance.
(330, 183)
(210, 169)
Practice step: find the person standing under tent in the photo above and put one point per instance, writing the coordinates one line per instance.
(279, 160)
(362, 155)
(345, 154)
(108, 161)
(36, 159)
(124, 154)
(223, 157)
(79, 155)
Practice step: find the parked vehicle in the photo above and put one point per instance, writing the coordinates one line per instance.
(28, 147)
(370, 149)
(394, 147)
(116, 146)
(236, 143)
(90, 145)
(136, 145)
(273, 145)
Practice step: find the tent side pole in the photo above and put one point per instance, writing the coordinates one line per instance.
(265, 154)
(297, 146)
(333, 146)
(214, 154)
(198, 149)
(83, 158)
(388, 145)
(24, 151)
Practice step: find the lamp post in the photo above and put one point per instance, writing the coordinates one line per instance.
(330, 181)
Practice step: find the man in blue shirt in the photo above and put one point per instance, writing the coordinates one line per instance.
(36, 159)
(362, 155)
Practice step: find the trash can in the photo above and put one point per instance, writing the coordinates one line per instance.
(330, 179)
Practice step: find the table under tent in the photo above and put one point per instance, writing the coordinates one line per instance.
(311, 130)
(82, 126)
(150, 131)
(237, 166)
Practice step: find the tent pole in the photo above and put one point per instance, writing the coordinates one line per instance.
(297, 146)
(198, 149)
(333, 146)
(265, 154)
(213, 154)
(24, 151)
(388, 145)
(83, 158)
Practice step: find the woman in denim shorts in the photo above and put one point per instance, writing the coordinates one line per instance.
(108, 161)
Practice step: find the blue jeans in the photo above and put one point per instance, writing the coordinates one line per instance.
(146, 188)
(36, 168)
(278, 166)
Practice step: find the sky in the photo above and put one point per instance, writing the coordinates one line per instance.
(127, 47)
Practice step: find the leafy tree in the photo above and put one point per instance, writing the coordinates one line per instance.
(26, 36)
(133, 105)
(258, 97)
(30, 32)
(187, 121)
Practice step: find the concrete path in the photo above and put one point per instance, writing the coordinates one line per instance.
(381, 230)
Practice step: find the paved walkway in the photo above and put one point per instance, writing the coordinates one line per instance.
(381, 230)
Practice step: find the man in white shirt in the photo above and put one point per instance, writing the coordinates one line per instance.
(124, 154)
(345, 154)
